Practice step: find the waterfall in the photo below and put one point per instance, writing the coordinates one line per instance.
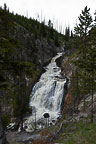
(47, 94)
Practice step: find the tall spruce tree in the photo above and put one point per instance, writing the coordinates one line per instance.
(91, 65)
(81, 33)
(87, 63)
(82, 29)
(67, 33)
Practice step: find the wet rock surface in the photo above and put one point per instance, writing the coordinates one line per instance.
(24, 137)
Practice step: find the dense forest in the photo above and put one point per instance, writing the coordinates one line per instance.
(26, 45)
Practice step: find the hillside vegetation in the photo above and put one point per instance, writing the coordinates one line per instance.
(26, 45)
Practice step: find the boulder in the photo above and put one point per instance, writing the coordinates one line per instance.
(46, 115)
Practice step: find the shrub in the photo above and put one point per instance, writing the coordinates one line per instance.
(5, 120)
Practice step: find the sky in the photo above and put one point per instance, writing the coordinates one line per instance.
(61, 12)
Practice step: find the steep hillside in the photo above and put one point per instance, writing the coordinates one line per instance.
(25, 47)
(24, 40)
(26, 34)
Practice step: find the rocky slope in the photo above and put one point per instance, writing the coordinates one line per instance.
(21, 44)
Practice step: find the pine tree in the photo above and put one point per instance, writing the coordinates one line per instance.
(20, 100)
(50, 25)
(5, 6)
(71, 34)
(91, 65)
(95, 17)
(82, 29)
(67, 33)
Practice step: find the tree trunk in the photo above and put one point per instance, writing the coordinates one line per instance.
(21, 123)
(84, 102)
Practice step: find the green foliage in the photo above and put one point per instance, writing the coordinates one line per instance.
(6, 48)
(67, 33)
(5, 120)
(56, 40)
(15, 67)
(82, 29)
(21, 98)
(85, 22)
(79, 132)
(86, 62)
(43, 29)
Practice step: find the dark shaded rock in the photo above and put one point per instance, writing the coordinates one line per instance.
(66, 85)
(53, 121)
(15, 127)
(65, 93)
(2, 134)
(46, 115)
(50, 124)
(59, 61)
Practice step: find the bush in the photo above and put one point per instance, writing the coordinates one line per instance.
(5, 120)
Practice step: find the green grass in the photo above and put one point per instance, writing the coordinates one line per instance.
(78, 133)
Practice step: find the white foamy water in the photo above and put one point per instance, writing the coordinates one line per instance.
(47, 94)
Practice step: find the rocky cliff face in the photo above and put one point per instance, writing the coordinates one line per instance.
(38, 50)
(67, 70)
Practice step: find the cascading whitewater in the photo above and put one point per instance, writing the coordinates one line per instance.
(47, 94)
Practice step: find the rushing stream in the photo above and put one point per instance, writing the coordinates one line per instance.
(46, 96)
